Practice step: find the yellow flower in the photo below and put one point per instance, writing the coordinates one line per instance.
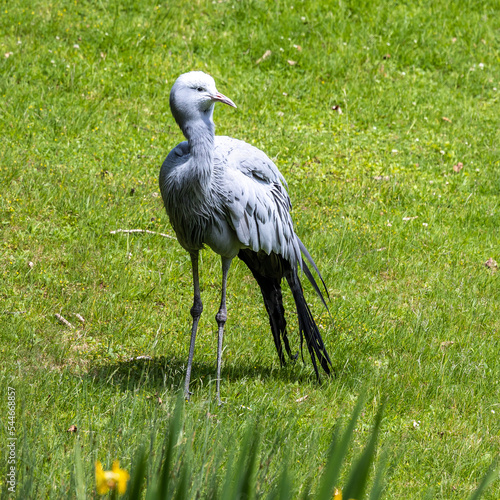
(111, 479)
(337, 495)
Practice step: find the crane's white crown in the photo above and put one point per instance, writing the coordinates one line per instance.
(195, 79)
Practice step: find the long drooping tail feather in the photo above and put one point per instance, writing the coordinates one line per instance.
(273, 300)
(309, 275)
(311, 279)
(307, 326)
(268, 270)
(270, 288)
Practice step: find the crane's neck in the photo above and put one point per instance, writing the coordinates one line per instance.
(200, 136)
(200, 133)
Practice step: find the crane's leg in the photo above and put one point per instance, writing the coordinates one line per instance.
(196, 311)
(221, 318)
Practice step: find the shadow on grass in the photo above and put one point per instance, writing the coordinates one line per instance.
(160, 372)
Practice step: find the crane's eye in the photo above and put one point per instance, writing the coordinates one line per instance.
(200, 89)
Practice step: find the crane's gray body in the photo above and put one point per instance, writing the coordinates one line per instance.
(225, 193)
(241, 203)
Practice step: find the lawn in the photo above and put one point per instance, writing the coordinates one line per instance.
(384, 117)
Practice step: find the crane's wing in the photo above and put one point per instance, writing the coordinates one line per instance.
(257, 203)
(248, 159)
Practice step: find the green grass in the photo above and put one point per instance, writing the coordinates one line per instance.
(85, 125)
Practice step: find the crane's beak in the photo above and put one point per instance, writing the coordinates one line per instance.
(222, 98)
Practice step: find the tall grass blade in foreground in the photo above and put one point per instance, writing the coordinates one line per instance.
(378, 481)
(171, 439)
(79, 475)
(336, 455)
(182, 488)
(490, 476)
(284, 488)
(358, 478)
(239, 480)
(137, 476)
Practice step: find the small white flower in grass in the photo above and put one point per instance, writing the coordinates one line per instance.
(389, 224)
(493, 411)
(76, 46)
(481, 65)
(416, 424)
(425, 224)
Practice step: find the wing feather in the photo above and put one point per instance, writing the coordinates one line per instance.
(258, 205)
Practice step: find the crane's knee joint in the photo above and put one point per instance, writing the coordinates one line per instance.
(197, 308)
(221, 317)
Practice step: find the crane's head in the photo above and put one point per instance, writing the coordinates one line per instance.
(193, 96)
